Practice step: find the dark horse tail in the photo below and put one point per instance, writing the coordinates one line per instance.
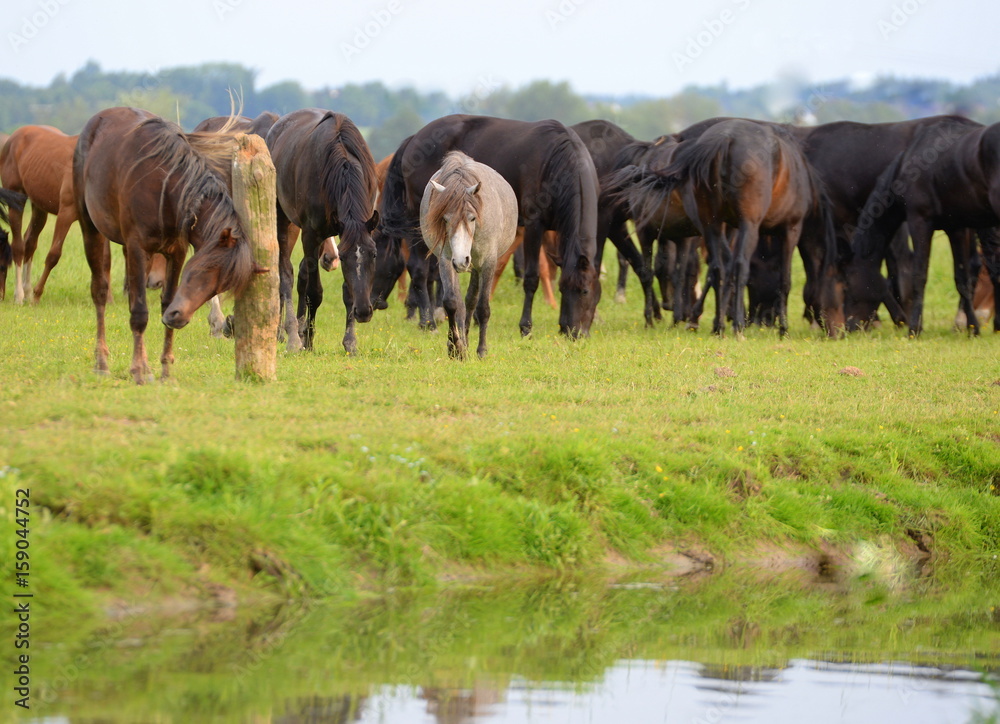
(394, 221)
(881, 216)
(568, 177)
(695, 160)
(17, 200)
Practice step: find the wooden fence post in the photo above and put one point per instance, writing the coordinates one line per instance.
(255, 315)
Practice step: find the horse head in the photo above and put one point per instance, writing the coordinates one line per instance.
(358, 254)
(389, 265)
(459, 220)
(225, 264)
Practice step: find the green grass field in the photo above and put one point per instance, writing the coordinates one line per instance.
(401, 466)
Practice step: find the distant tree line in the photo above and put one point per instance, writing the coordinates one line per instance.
(386, 116)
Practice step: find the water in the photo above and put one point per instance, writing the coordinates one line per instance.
(721, 649)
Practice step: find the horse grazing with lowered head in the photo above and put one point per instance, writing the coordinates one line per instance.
(143, 183)
(327, 186)
(38, 162)
(553, 177)
(468, 218)
(947, 178)
(753, 178)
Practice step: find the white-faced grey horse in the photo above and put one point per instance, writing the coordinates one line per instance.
(468, 218)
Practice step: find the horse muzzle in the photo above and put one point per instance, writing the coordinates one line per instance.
(175, 319)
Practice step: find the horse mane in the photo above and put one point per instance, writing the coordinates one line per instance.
(349, 176)
(456, 176)
(194, 162)
(564, 175)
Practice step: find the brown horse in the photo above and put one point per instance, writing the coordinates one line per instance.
(38, 161)
(142, 182)
(753, 178)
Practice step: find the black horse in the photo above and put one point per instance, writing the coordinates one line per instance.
(326, 186)
(553, 177)
(850, 157)
(947, 178)
(17, 200)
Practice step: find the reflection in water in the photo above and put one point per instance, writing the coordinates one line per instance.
(565, 651)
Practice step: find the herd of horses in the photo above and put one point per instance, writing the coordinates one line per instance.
(471, 191)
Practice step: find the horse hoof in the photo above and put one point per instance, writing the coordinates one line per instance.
(619, 297)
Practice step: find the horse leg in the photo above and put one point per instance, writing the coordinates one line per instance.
(746, 245)
(962, 247)
(138, 311)
(453, 306)
(310, 288)
(482, 304)
(532, 244)
(921, 232)
(22, 266)
(718, 265)
(98, 252)
(547, 269)
(622, 240)
(65, 218)
(504, 258)
(291, 323)
(217, 326)
(622, 279)
(792, 235)
(990, 243)
(170, 281)
(419, 267)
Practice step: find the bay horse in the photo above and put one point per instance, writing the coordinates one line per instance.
(327, 186)
(555, 182)
(947, 178)
(468, 218)
(751, 177)
(142, 182)
(38, 161)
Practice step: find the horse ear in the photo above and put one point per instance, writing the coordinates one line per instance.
(372, 222)
(474, 189)
(226, 239)
(437, 186)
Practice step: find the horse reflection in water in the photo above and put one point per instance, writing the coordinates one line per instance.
(325, 709)
(457, 706)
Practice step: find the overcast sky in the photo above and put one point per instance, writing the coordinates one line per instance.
(653, 47)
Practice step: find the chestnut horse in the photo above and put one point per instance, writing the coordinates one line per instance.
(143, 183)
(327, 187)
(38, 161)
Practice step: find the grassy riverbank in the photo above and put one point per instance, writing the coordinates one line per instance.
(400, 466)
